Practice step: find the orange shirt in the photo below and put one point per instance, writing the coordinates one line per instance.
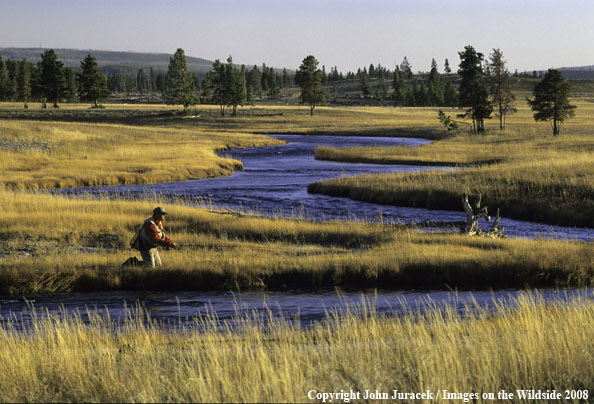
(155, 234)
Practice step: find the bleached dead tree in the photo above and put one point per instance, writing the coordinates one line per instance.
(473, 213)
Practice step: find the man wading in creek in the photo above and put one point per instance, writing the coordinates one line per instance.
(153, 235)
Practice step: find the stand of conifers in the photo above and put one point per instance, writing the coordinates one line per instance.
(473, 213)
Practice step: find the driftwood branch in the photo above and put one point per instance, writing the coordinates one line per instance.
(474, 212)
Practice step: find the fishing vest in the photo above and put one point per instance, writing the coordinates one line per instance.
(146, 242)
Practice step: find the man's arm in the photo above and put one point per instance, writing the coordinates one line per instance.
(153, 235)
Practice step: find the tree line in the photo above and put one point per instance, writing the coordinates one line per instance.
(48, 81)
(484, 85)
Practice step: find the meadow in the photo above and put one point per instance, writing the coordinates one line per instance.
(53, 244)
(523, 170)
(532, 346)
(43, 155)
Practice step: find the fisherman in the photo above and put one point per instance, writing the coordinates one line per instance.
(153, 235)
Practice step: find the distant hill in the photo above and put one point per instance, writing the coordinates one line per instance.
(578, 73)
(109, 61)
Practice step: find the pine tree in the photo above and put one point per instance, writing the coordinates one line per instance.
(364, 82)
(152, 82)
(286, 78)
(235, 85)
(309, 78)
(254, 81)
(24, 82)
(92, 84)
(398, 86)
(11, 89)
(264, 79)
(383, 89)
(3, 80)
(206, 94)
(36, 90)
(334, 75)
(551, 100)
(218, 84)
(435, 92)
(71, 86)
(52, 82)
(141, 82)
(273, 82)
(473, 92)
(406, 69)
(446, 67)
(503, 97)
(179, 85)
(450, 95)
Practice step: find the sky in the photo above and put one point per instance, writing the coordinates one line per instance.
(348, 34)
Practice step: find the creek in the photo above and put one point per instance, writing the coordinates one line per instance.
(274, 182)
(275, 178)
(187, 310)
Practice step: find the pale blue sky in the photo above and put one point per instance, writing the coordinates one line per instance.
(349, 34)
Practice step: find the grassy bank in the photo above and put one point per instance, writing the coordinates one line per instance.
(53, 244)
(536, 346)
(362, 121)
(138, 144)
(36, 155)
(525, 171)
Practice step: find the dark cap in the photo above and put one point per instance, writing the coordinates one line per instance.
(160, 210)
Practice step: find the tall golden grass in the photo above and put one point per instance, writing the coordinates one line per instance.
(41, 155)
(525, 171)
(56, 244)
(534, 346)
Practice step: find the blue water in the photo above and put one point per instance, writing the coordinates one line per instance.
(186, 310)
(274, 182)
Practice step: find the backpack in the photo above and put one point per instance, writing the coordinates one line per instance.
(135, 241)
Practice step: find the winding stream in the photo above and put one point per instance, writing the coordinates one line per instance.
(275, 178)
(274, 182)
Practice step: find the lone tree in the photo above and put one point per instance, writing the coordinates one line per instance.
(179, 83)
(92, 84)
(503, 98)
(551, 100)
(473, 92)
(309, 78)
(52, 82)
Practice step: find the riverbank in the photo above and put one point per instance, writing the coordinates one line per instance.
(524, 171)
(533, 346)
(43, 155)
(57, 245)
(76, 146)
